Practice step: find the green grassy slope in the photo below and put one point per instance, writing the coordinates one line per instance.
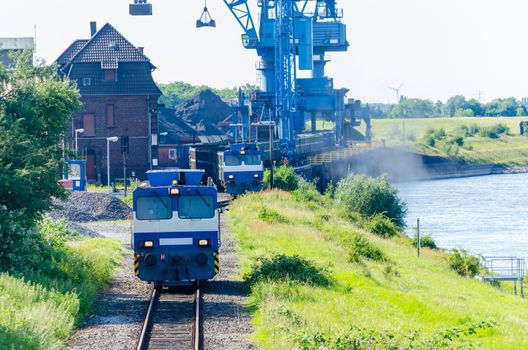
(511, 149)
(404, 295)
(39, 310)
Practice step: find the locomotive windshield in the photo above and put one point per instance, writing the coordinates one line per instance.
(232, 159)
(196, 207)
(153, 208)
(252, 159)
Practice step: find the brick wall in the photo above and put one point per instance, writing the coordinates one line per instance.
(130, 118)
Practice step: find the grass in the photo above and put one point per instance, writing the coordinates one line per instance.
(510, 149)
(39, 309)
(320, 125)
(372, 301)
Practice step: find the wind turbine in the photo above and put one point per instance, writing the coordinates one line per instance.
(397, 91)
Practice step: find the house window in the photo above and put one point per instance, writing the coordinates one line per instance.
(110, 75)
(89, 124)
(87, 81)
(172, 154)
(110, 122)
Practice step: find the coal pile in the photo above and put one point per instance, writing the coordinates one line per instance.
(204, 108)
(90, 206)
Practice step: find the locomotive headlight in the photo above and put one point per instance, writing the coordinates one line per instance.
(174, 191)
(231, 177)
(256, 176)
(242, 152)
(148, 244)
(203, 243)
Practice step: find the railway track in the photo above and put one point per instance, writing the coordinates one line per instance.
(172, 321)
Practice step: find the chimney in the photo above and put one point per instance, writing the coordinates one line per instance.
(140, 49)
(93, 28)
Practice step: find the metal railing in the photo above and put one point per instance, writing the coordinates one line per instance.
(504, 268)
(332, 156)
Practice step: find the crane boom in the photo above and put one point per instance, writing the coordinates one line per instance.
(240, 9)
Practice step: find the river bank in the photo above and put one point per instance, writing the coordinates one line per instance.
(383, 303)
(403, 165)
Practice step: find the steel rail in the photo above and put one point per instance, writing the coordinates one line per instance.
(148, 334)
(145, 329)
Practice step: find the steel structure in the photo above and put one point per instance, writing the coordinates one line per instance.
(296, 35)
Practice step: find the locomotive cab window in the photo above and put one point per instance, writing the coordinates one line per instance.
(196, 207)
(232, 159)
(252, 159)
(153, 208)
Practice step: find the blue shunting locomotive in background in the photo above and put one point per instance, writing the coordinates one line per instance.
(241, 169)
(238, 168)
(176, 228)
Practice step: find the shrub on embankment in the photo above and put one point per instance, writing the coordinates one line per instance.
(381, 295)
(53, 286)
(370, 197)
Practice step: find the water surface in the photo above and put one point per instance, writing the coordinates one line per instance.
(486, 215)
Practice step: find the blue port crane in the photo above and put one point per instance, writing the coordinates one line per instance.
(294, 35)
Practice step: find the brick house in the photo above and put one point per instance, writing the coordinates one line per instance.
(120, 98)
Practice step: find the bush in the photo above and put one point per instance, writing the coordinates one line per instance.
(271, 216)
(382, 226)
(464, 264)
(369, 196)
(284, 178)
(288, 268)
(494, 131)
(362, 248)
(306, 192)
(426, 241)
(21, 247)
(358, 338)
(56, 232)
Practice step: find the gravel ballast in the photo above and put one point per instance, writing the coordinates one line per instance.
(226, 319)
(120, 309)
(90, 206)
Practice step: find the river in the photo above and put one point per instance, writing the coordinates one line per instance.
(485, 215)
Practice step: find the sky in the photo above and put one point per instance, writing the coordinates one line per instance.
(433, 48)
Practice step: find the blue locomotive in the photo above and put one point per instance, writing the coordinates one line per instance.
(241, 169)
(176, 228)
(238, 168)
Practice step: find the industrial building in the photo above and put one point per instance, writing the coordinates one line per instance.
(8, 46)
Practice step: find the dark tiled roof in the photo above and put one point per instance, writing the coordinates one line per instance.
(108, 45)
(71, 51)
(85, 60)
(133, 79)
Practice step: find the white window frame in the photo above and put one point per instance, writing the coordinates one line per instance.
(173, 154)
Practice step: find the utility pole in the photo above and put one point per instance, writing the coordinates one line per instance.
(108, 140)
(419, 244)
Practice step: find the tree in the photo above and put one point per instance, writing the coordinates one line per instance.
(412, 108)
(454, 104)
(176, 92)
(35, 106)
